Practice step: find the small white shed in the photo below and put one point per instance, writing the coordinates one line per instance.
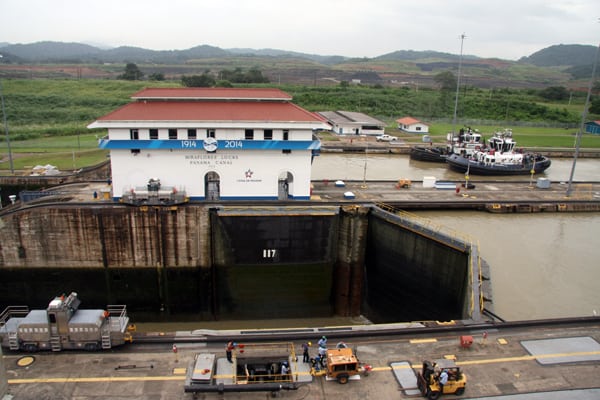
(412, 125)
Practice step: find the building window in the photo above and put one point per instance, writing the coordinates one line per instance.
(172, 134)
(249, 134)
(268, 134)
(153, 134)
(286, 134)
(210, 133)
(191, 134)
(134, 134)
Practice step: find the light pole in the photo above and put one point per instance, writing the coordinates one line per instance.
(462, 39)
(10, 160)
(582, 125)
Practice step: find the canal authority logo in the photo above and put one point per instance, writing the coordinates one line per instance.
(210, 144)
(249, 177)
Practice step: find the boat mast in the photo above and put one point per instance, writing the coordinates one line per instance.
(462, 39)
(582, 125)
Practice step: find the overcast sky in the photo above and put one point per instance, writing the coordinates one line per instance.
(508, 29)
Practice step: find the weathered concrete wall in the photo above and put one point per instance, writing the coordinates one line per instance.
(349, 268)
(104, 237)
(245, 262)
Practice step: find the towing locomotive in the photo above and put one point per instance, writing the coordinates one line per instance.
(62, 325)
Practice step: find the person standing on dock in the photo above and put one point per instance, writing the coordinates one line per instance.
(229, 347)
(322, 342)
(443, 380)
(285, 370)
(305, 355)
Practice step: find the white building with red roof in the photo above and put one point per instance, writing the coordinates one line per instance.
(212, 143)
(412, 125)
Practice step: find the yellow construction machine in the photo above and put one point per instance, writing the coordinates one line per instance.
(341, 364)
(403, 183)
(428, 379)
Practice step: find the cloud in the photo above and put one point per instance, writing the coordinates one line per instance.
(505, 29)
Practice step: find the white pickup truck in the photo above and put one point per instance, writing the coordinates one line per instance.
(386, 138)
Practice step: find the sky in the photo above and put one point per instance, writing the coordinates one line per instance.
(508, 29)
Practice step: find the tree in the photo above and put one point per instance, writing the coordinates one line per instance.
(223, 83)
(204, 80)
(595, 105)
(555, 93)
(132, 73)
(446, 80)
(254, 75)
(157, 76)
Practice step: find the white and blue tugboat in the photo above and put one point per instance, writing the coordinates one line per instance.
(499, 158)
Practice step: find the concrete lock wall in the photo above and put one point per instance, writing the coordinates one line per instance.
(228, 262)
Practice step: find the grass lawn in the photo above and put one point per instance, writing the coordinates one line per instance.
(64, 152)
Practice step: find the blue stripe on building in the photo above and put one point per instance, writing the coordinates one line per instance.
(199, 144)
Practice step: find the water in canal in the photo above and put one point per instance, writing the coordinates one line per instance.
(356, 166)
(542, 265)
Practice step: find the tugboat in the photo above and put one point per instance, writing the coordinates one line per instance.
(499, 158)
(465, 144)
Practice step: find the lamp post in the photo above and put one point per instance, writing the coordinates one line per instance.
(10, 160)
(462, 39)
(582, 125)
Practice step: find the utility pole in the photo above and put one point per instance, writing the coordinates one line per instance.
(462, 39)
(10, 159)
(582, 125)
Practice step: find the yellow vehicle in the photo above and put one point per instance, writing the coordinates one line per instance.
(341, 365)
(428, 379)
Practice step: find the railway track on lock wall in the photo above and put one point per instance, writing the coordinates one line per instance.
(351, 333)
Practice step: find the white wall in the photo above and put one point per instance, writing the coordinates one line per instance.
(220, 133)
(186, 170)
(414, 128)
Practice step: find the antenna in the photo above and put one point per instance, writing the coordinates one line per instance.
(10, 159)
(582, 125)
(462, 39)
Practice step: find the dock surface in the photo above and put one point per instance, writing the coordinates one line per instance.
(495, 196)
(553, 361)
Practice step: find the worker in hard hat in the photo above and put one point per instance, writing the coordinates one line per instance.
(305, 355)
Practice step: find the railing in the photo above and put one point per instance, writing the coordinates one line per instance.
(166, 195)
(30, 195)
(118, 318)
(13, 312)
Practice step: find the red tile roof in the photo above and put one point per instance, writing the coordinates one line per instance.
(409, 121)
(213, 93)
(216, 111)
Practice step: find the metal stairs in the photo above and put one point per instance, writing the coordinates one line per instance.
(55, 343)
(106, 343)
(13, 341)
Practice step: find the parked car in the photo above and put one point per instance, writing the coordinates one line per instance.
(386, 138)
